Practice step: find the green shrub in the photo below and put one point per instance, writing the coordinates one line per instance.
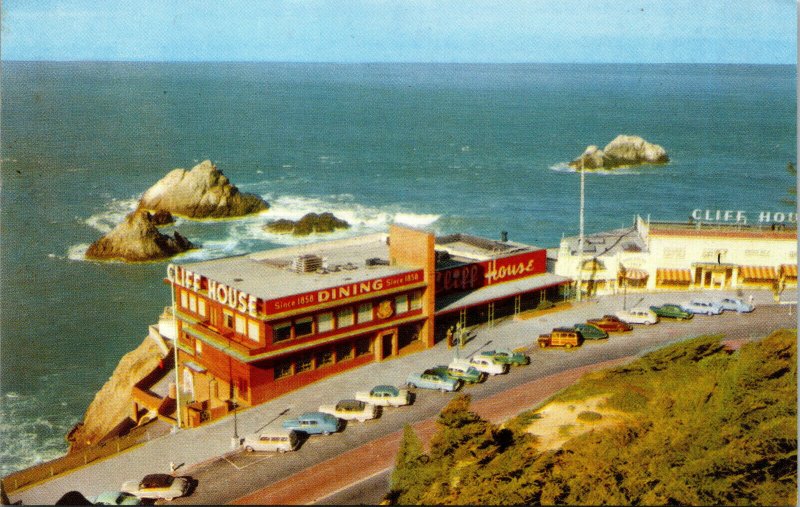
(626, 401)
(589, 416)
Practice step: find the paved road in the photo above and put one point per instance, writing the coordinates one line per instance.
(200, 449)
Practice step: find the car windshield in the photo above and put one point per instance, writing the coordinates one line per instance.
(157, 481)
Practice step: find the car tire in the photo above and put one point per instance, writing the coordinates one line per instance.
(648, 323)
(281, 450)
(326, 433)
(248, 448)
(412, 385)
(542, 345)
(709, 312)
(568, 346)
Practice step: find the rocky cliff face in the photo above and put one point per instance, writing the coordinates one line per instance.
(622, 151)
(137, 239)
(112, 405)
(203, 192)
(310, 223)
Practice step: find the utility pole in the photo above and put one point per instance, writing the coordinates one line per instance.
(578, 282)
(175, 350)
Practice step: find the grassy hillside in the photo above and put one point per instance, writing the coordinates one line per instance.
(693, 423)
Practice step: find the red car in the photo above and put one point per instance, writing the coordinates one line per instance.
(609, 324)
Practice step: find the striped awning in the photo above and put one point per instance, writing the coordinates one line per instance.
(789, 270)
(668, 275)
(759, 272)
(633, 274)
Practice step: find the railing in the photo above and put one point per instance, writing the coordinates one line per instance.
(49, 469)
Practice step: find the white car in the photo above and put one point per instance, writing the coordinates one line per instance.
(703, 307)
(351, 410)
(385, 396)
(644, 316)
(488, 365)
(736, 304)
(276, 440)
(157, 486)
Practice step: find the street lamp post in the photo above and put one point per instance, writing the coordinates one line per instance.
(578, 281)
(175, 354)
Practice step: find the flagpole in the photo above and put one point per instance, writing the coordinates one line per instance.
(580, 238)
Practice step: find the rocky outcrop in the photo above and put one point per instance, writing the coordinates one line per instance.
(203, 192)
(111, 407)
(310, 223)
(137, 239)
(622, 151)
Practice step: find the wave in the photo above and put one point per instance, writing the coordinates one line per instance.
(77, 252)
(113, 213)
(563, 167)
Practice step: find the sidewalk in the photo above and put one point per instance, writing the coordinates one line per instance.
(195, 446)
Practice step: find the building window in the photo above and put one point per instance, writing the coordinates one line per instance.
(198, 348)
(344, 317)
(416, 300)
(344, 351)
(202, 309)
(304, 326)
(283, 369)
(281, 331)
(364, 312)
(227, 319)
(324, 358)
(184, 299)
(254, 330)
(363, 346)
(241, 324)
(401, 303)
(304, 363)
(324, 322)
(193, 303)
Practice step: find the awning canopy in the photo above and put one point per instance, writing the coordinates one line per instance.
(194, 367)
(667, 275)
(759, 273)
(633, 274)
(484, 295)
(789, 270)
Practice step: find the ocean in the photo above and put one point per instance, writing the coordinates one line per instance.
(455, 148)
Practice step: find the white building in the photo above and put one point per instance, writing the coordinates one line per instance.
(682, 255)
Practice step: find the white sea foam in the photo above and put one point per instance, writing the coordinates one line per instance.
(563, 167)
(77, 252)
(112, 214)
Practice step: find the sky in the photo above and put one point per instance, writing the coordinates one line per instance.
(462, 31)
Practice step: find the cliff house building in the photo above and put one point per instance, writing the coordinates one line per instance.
(253, 327)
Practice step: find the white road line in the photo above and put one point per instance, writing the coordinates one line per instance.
(350, 485)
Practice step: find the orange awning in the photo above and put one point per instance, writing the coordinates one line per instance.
(674, 275)
(759, 273)
(633, 274)
(789, 270)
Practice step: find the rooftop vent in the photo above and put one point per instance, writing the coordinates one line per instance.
(307, 263)
(349, 266)
(376, 261)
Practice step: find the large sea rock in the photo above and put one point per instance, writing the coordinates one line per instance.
(621, 152)
(111, 408)
(137, 239)
(203, 192)
(310, 223)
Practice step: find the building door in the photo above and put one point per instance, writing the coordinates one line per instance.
(386, 345)
(188, 383)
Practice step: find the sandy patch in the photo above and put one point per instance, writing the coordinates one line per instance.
(560, 421)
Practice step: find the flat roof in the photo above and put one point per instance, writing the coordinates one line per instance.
(611, 242)
(450, 302)
(268, 274)
(732, 230)
(459, 249)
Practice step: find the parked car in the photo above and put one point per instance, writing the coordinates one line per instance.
(609, 324)
(672, 311)
(488, 365)
(314, 423)
(704, 307)
(157, 487)
(566, 337)
(736, 304)
(385, 396)
(505, 356)
(72, 498)
(351, 409)
(116, 498)
(430, 379)
(273, 440)
(638, 316)
(461, 369)
(590, 332)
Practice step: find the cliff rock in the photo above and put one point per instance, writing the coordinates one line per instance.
(622, 151)
(203, 192)
(137, 239)
(112, 404)
(310, 223)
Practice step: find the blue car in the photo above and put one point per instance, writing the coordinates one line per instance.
(735, 304)
(433, 379)
(702, 307)
(314, 423)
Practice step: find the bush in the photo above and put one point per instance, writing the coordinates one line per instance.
(589, 416)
